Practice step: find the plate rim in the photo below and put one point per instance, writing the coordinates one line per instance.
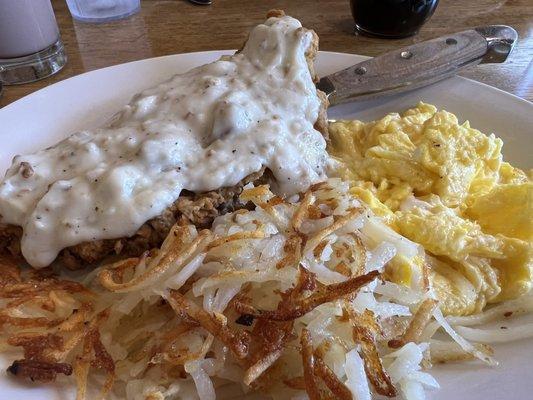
(43, 90)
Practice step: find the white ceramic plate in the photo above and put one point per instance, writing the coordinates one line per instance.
(88, 100)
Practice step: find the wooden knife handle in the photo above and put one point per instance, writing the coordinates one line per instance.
(418, 65)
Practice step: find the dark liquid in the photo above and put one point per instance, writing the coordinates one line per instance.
(391, 18)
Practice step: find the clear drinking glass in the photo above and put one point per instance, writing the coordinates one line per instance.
(102, 10)
(30, 45)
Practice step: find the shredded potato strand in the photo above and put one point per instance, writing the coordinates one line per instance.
(339, 223)
(303, 306)
(236, 341)
(176, 257)
(308, 359)
(416, 327)
(364, 333)
(339, 389)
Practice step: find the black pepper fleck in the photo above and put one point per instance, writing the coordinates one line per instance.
(245, 319)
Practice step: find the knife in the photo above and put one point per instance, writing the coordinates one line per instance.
(419, 65)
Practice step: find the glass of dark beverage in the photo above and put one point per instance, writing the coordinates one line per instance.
(391, 18)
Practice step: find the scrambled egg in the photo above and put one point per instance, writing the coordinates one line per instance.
(444, 185)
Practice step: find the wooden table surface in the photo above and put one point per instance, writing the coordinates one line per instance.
(176, 26)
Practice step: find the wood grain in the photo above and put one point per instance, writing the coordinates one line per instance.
(175, 26)
(428, 62)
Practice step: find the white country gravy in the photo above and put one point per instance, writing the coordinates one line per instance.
(202, 130)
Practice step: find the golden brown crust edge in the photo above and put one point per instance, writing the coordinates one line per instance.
(321, 123)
